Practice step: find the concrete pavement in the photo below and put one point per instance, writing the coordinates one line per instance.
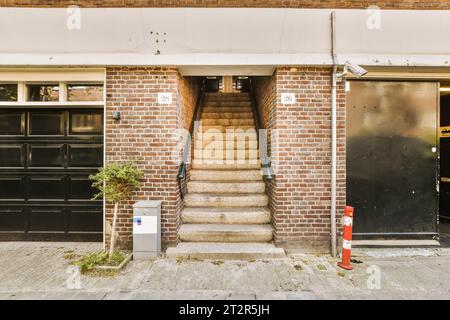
(40, 271)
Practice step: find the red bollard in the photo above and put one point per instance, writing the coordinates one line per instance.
(347, 243)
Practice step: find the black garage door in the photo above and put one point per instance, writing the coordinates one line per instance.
(46, 156)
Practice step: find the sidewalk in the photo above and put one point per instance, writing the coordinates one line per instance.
(38, 271)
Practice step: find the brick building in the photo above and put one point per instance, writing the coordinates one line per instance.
(84, 82)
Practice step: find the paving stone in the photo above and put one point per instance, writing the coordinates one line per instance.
(31, 270)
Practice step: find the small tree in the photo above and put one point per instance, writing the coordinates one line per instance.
(116, 182)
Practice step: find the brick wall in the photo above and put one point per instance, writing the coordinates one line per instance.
(266, 97)
(392, 4)
(144, 135)
(189, 91)
(300, 193)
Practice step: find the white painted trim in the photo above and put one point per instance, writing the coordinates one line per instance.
(62, 92)
(196, 64)
(130, 59)
(21, 94)
(14, 104)
(86, 75)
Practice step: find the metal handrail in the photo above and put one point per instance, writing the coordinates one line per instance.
(192, 131)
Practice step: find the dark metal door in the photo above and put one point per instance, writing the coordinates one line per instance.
(392, 158)
(46, 156)
(444, 161)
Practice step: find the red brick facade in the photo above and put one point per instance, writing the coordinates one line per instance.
(144, 135)
(300, 193)
(355, 4)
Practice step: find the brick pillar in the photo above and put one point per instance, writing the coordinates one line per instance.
(144, 135)
(300, 193)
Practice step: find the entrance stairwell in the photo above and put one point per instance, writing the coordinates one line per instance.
(226, 214)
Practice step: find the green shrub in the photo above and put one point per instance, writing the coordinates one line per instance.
(89, 261)
(116, 183)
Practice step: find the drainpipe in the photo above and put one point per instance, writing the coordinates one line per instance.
(333, 137)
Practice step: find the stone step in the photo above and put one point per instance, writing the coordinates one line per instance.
(226, 233)
(226, 187)
(226, 215)
(227, 97)
(231, 162)
(227, 115)
(226, 144)
(211, 165)
(225, 251)
(226, 175)
(249, 135)
(226, 103)
(226, 200)
(226, 154)
(226, 94)
(234, 110)
(228, 122)
(237, 129)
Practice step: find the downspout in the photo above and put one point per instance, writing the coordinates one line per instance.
(333, 136)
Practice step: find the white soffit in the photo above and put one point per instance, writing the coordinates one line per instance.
(197, 37)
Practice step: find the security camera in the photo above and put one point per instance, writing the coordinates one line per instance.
(355, 69)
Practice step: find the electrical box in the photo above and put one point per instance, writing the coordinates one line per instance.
(146, 230)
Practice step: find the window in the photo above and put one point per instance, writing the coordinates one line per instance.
(86, 122)
(43, 92)
(8, 92)
(84, 92)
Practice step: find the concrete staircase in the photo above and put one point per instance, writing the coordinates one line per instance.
(226, 214)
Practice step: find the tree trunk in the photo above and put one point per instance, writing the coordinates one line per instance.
(113, 230)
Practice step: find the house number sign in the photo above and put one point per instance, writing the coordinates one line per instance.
(288, 98)
(164, 97)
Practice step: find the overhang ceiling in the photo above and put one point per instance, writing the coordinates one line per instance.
(207, 40)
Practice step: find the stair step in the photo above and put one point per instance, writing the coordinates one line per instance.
(226, 233)
(227, 115)
(229, 251)
(226, 175)
(238, 129)
(214, 135)
(258, 215)
(226, 187)
(226, 144)
(221, 154)
(226, 200)
(230, 97)
(200, 164)
(227, 96)
(234, 110)
(228, 122)
(226, 103)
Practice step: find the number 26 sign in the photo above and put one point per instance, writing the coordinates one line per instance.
(288, 98)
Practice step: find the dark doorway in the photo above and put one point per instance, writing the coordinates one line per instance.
(392, 159)
(444, 186)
